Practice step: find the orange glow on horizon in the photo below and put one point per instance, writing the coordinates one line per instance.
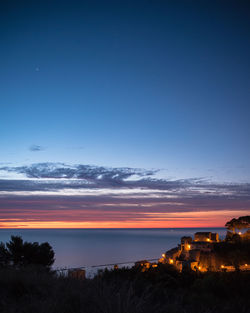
(72, 219)
(113, 224)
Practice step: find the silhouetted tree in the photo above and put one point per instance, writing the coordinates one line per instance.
(4, 255)
(18, 253)
(245, 221)
(242, 222)
(15, 250)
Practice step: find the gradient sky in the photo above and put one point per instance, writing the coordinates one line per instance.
(124, 113)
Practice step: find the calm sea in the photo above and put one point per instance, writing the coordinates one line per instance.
(88, 247)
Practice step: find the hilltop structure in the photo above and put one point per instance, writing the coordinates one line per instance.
(197, 254)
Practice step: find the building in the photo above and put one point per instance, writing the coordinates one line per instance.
(186, 243)
(199, 254)
(215, 237)
(206, 236)
(190, 254)
(144, 265)
(172, 255)
(201, 245)
(77, 273)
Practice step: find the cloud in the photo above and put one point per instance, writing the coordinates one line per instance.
(97, 175)
(57, 192)
(55, 177)
(35, 148)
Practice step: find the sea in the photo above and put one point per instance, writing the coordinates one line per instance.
(94, 249)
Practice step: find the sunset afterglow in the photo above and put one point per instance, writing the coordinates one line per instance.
(123, 115)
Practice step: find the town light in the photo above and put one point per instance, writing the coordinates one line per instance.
(222, 266)
(199, 268)
(245, 264)
(239, 232)
(208, 239)
(171, 261)
(189, 246)
(163, 255)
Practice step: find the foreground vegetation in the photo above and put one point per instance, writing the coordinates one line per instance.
(18, 253)
(29, 285)
(161, 289)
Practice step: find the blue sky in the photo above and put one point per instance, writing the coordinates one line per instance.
(158, 85)
(162, 85)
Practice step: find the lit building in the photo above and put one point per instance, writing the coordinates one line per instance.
(190, 253)
(206, 236)
(186, 243)
(77, 273)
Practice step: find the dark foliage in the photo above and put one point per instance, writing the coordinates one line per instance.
(242, 222)
(161, 290)
(235, 252)
(17, 253)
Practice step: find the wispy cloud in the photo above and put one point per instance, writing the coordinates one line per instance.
(84, 195)
(96, 175)
(36, 148)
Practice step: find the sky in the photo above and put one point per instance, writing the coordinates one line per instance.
(124, 113)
